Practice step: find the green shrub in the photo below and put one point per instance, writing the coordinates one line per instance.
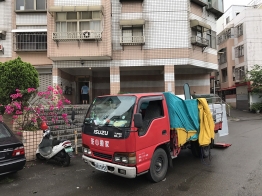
(256, 106)
(16, 74)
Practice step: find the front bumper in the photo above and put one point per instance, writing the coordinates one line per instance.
(130, 172)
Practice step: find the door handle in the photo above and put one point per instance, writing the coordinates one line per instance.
(164, 132)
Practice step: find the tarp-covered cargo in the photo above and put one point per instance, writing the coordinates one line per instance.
(191, 118)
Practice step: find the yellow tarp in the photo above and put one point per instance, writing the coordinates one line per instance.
(207, 124)
(183, 136)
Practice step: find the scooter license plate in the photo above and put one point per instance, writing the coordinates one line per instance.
(101, 167)
(69, 149)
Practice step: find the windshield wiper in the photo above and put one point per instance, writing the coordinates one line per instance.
(109, 125)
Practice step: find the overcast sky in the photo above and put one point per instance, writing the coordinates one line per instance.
(228, 3)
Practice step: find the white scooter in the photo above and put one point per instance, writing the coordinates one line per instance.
(58, 150)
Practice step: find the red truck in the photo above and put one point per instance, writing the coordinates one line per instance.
(131, 134)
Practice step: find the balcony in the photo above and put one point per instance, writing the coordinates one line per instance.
(202, 3)
(216, 7)
(132, 40)
(199, 41)
(84, 35)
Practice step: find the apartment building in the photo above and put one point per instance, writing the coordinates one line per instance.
(239, 48)
(116, 46)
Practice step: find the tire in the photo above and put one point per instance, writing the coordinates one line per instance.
(40, 157)
(158, 166)
(199, 152)
(66, 161)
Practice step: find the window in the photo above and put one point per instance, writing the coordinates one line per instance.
(36, 41)
(211, 37)
(239, 29)
(239, 51)
(132, 35)
(222, 56)
(30, 5)
(227, 20)
(150, 110)
(240, 73)
(198, 37)
(233, 73)
(224, 75)
(4, 133)
(78, 21)
(228, 34)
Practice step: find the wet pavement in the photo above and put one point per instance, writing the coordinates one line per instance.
(234, 171)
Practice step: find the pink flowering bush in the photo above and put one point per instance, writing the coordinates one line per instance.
(28, 115)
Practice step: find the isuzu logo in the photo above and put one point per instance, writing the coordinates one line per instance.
(100, 132)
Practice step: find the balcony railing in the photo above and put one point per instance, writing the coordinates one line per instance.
(199, 41)
(132, 40)
(202, 3)
(76, 36)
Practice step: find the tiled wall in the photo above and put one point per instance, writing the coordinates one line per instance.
(6, 25)
(138, 81)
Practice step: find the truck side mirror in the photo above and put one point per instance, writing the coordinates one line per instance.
(138, 120)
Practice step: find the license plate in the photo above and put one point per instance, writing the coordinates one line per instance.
(101, 167)
(69, 149)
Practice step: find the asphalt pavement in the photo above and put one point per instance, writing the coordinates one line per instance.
(235, 171)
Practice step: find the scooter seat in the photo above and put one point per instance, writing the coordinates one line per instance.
(55, 142)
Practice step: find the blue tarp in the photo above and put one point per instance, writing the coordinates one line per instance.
(183, 114)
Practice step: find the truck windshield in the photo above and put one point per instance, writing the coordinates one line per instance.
(111, 111)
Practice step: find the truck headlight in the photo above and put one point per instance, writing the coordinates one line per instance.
(126, 158)
(87, 151)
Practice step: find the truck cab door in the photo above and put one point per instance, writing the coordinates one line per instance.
(155, 126)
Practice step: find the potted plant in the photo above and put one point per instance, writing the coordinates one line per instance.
(27, 116)
(256, 107)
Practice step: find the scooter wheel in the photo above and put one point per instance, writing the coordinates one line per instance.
(66, 161)
(39, 157)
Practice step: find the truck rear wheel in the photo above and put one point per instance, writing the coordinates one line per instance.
(158, 166)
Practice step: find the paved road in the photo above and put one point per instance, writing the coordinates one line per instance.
(235, 171)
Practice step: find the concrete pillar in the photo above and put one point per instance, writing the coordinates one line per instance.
(114, 80)
(55, 76)
(169, 77)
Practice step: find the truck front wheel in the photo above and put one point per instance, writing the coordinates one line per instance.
(158, 166)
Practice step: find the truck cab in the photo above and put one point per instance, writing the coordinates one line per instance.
(128, 135)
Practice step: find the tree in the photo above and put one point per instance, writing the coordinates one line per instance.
(255, 77)
(16, 74)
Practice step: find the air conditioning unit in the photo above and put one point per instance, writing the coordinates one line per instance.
(2, 34)
(88, 34)
(1, 49)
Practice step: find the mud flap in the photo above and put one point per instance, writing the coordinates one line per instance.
(167, 149)
(221, 145)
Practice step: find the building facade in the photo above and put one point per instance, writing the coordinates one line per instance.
(239, 48)
(115, 46)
